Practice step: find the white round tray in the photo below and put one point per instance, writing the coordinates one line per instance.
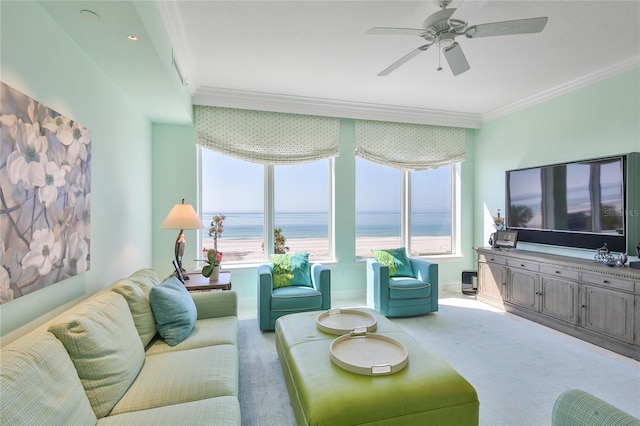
(340, 321)
(369, 354)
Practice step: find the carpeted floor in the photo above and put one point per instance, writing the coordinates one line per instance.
(517, 367)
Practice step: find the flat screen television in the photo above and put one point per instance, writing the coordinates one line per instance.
(578, 204)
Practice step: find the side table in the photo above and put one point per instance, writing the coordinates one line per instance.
(198, 282)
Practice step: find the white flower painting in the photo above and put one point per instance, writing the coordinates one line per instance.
(45, 196)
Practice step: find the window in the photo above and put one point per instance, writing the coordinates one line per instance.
(431, 212)
(381, 206)
(233, 188)
(296, 201)
(301, 205)
(378, 202)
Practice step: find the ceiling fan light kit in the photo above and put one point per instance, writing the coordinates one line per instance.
(439, 28)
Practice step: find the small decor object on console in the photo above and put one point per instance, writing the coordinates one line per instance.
(604, 256)
(622, 259)
(498, 224)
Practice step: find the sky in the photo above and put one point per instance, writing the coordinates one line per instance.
(305, 188)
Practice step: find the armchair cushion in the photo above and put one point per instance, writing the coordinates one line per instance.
(396, 260)
(408, 288)
(291, 269)
(295, 298)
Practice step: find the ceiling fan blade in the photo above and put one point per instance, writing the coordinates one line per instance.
(396, 31)
(403, 60)
(518, 26)
(456, 59)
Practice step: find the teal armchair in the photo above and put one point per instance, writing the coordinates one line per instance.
(276, 302)
(403, 296)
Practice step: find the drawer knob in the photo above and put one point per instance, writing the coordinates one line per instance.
(558, 272)
(583, 306)
(605, 282)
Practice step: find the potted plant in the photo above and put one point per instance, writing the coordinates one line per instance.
(212, 268)
(213, 256)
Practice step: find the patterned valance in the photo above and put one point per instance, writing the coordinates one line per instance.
(407, 146)
(267, 137)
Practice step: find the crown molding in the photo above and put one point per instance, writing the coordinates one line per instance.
(563, 89)
(170, 14)
(213, 96)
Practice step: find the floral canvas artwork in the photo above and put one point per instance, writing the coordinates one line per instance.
(45, 196)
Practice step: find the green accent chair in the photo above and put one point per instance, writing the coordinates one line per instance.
(276, 302)
(404, 296)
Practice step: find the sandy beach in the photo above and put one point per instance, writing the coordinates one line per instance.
(318, 248)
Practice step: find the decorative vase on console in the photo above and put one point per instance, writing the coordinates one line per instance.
(498, 224)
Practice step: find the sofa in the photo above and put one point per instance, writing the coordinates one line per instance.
(575, 407)
(137, 352)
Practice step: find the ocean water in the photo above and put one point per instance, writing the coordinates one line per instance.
(314, 224)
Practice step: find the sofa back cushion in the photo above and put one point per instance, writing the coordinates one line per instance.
(135, 290)
(39, 385)
(105, 348)
(174, 309)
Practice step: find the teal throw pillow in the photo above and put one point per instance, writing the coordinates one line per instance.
(396, 260)
(290, 269)
(173, 309)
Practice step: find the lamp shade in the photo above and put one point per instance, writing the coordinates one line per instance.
(182, 216)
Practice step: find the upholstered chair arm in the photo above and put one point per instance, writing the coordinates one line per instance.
(380, 284)
(424, 270)
(321, 280)
(265, 288)
(428, 272)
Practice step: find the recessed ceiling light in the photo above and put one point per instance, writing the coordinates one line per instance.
(89, 14)
(132, 38)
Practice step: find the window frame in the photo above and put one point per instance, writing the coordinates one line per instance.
(405, 213)
(269, 211)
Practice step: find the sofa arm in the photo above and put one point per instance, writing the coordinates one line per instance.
(215, 304)
(575, 407)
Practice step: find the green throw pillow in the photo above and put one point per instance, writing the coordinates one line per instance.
(290, 269)
(174, 310)
(396, 260)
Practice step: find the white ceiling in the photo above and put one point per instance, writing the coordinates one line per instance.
(318, 49)
(266, 54)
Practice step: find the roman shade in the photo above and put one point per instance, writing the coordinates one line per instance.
(267, 137)
(408, 146)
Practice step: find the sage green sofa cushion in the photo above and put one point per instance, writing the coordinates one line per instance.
(39, 385)
(183, 376)
(223, 410)
(206, 332)
(105, 348)
(135, 289)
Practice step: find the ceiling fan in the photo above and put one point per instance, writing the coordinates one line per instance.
(441, 30)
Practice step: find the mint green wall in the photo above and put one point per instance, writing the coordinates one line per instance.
(595, 121)
(39, 59)
(175, 177)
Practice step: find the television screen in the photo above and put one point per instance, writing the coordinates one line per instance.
(585, 197)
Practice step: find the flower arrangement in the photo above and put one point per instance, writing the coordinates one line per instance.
(213, 256)
(217, 227)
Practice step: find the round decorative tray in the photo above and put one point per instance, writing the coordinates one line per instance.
(369, 354)
(341, 321)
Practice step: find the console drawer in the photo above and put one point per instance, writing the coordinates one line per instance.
(492, 259)
(523, 264)
(606, 281)
(560, 272)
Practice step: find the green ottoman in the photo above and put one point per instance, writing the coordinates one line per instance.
(427, 391)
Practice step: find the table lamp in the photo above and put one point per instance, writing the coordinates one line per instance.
(182, 216)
